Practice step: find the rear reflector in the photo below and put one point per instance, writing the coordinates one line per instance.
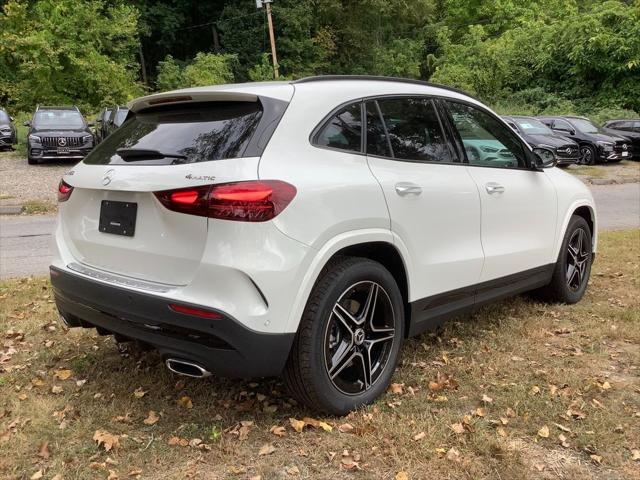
(64, 191)
(196, 312)
(252, 201)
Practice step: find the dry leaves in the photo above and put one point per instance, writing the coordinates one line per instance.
(185, 402)
(107, 440)
(152, 418)
(139, 392)
(544, 432)
(63, 374)
(266, 449)
(278, 431)
(401, 476)
(419, 436)
(458, 428)
(397, 388)
(298, 425)
(346, 428)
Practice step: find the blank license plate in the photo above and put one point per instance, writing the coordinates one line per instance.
(624, 154)
(63, 150)
(118, 218)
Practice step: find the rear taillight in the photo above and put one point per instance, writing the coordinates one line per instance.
(64, 191)
(253, 201)
(195, 312)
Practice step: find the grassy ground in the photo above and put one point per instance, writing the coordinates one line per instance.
(520, 390)
(626, 170)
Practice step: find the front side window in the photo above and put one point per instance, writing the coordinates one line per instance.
(343, 130)
(59, 119)
(562, 125)
(181, 134)
(487, 142)
(414, 130)
(584, 125)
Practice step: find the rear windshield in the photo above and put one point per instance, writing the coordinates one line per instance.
(531, 126)
(189, 134)
(64, 119)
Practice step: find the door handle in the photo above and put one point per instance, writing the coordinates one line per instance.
(493, 187)
(404, 188)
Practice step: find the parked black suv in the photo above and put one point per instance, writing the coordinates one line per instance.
(8, 134)
(538, 135)
(58, 133)
(629, 129)
(102, 121)
(596, 145)
(118, 116)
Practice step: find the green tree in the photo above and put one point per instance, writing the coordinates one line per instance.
(209, 69)
(68, 51)
(169, 74)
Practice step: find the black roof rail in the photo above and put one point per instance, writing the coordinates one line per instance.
(326, 78)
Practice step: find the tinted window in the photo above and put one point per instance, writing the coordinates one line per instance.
(562, 125)
(584, 125)
(377, 143)
(199, 133)
(120, 116)
(486, 140)
(65, 119)
(532, 126)
(414, 129)
(343, 130)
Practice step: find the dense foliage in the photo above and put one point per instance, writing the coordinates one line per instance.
(530, 56)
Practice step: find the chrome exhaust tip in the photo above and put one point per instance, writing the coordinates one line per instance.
(188, 369)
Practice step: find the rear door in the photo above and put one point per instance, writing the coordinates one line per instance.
(519, 204)
(114, 220)
(432, 200)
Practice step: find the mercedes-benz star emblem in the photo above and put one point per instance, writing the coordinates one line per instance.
(62, 141)
(108, 176)
(624, 146)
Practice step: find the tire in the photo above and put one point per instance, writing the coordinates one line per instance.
(587, 155)
(326, 369)
(32, 161)
(568, 285)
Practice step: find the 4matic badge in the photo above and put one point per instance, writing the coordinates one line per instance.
(200, 177)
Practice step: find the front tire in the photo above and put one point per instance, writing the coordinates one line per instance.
(587, 155)
(32, 161)
(573, 267)
(349, 339)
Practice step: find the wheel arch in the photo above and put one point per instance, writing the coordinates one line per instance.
(585, 210)
(374, 245)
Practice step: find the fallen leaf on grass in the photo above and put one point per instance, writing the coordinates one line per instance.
(135, 472)
(297, 425)
(453, 455)
(419, 436)
(544, 432)
(139, 392)
(185, 402)
(44, 451)
(107, 440)
(63, 374)
(56, 389)
(126, 418)
(562, 427)
(317, 424)
(397, 388)
(596, 459)
(293, 471)
(37, 476)
(511, 413)
(346, 428)
(173, 441)
(458, 428)
(279, 431)
(350, 461)
(635, 454)
(151, 419)
(402, 476)
(266, 449)
(563, 441)
(535, 390)
(480, 412)
(486, 399)
(501, 431)
(113, 475)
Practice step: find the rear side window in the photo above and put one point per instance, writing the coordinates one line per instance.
(414, 130)
(182, 134)
(343, 130)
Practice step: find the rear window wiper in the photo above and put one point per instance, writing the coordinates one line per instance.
(133, 154)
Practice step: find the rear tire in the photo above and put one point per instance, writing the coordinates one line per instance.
(349, 339)
(573, 267)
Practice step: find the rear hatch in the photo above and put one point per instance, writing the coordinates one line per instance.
(113, 219)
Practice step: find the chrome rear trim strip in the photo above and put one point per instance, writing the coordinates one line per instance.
(120, 280)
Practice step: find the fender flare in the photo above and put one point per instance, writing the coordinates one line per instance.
(582, 202)
(325, 253)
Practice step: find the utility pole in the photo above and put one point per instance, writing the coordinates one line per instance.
(272, 38)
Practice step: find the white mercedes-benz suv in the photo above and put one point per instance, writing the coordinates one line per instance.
(307, 228)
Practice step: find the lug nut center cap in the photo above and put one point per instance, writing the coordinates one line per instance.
(358, 336)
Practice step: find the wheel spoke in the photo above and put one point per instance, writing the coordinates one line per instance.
(365, 360)
(571, 272)
(370, 304)
(345, 317)
(380, 335)
(344, 362)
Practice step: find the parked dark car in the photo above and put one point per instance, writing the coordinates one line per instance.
(102, 121)
(118, 116)
(8, 134)
(58, 133)
(596, 145)
(538, 135)
(629, 129)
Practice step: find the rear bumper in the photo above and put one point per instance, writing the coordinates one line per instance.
(223, 346)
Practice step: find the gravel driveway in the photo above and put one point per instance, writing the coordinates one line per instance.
(22, 182)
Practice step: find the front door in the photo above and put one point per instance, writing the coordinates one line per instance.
(519, 205)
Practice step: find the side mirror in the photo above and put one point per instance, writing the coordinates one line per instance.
(544, 158)
(27, 124)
